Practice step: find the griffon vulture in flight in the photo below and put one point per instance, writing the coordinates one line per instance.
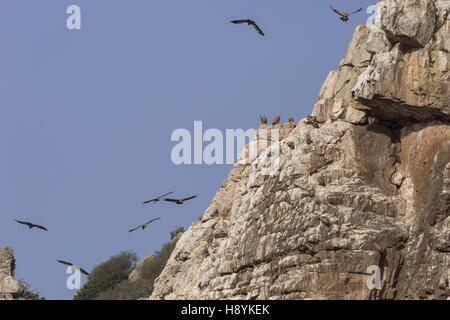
(344, 15)
(180, 201)
(143, 226)
(158, 198)
(250, 23)
(32, 225)
(74, 267)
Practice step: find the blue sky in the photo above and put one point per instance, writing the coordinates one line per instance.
(86, 115)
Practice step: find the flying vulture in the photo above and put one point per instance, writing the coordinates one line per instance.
(158, 198)
(74, 267)
(344, 15)
(32, 225)
(263, 119)
(143, 226)
(276, 120)
(250, 23)
(180, 201)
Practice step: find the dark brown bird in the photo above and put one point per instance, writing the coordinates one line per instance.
(180, 201)
(32, 225)
(344, 15)
(143, 226)
(250, 23)
(276, 120)
(311, 120)
(291, 120)
(263, 119)
(157, 198)
(74, 267)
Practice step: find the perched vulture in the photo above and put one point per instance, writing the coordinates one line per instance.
(74, 267)
(143, 226)
(180, 201)
(32, 225)
(157, 198)
(276, 120)
(344, 15)
(263, 119)
(291, 120)
(310, 120)
(250, 23)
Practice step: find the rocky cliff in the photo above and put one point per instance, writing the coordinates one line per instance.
(9, 288)
(367, 184)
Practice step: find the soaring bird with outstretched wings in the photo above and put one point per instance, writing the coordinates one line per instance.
(74, 267)
(31, 225)
(180, 201)
(158, 198)
(250, 23)
(143, 226)
(344, 15)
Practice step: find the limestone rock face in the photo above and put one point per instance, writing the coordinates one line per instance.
(9, 288)
(366, 185)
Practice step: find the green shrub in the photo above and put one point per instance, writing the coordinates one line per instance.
(108, 275)
(147, 272)
(27, 293)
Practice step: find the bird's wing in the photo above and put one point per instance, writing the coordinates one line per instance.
(29, 224)
(166, 194)
(186, 199)
(84, 271)
(339, 12)
(40, 227)
(171, 200)
(239, 21)
(135, 228)
(257, 28)
(157, 198)
(355, 11)
(65, 262)
(153, 220)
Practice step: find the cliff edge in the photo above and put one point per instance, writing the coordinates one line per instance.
(368, 184)
(9, 288)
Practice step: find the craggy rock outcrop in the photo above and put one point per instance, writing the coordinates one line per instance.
(9, 288)
(368, 184)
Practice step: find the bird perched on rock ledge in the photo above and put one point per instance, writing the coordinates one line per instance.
(263, 119)
(311, 120)
(291, 120)
(276, 120)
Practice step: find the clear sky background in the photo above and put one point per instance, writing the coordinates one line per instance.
(86, 116)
